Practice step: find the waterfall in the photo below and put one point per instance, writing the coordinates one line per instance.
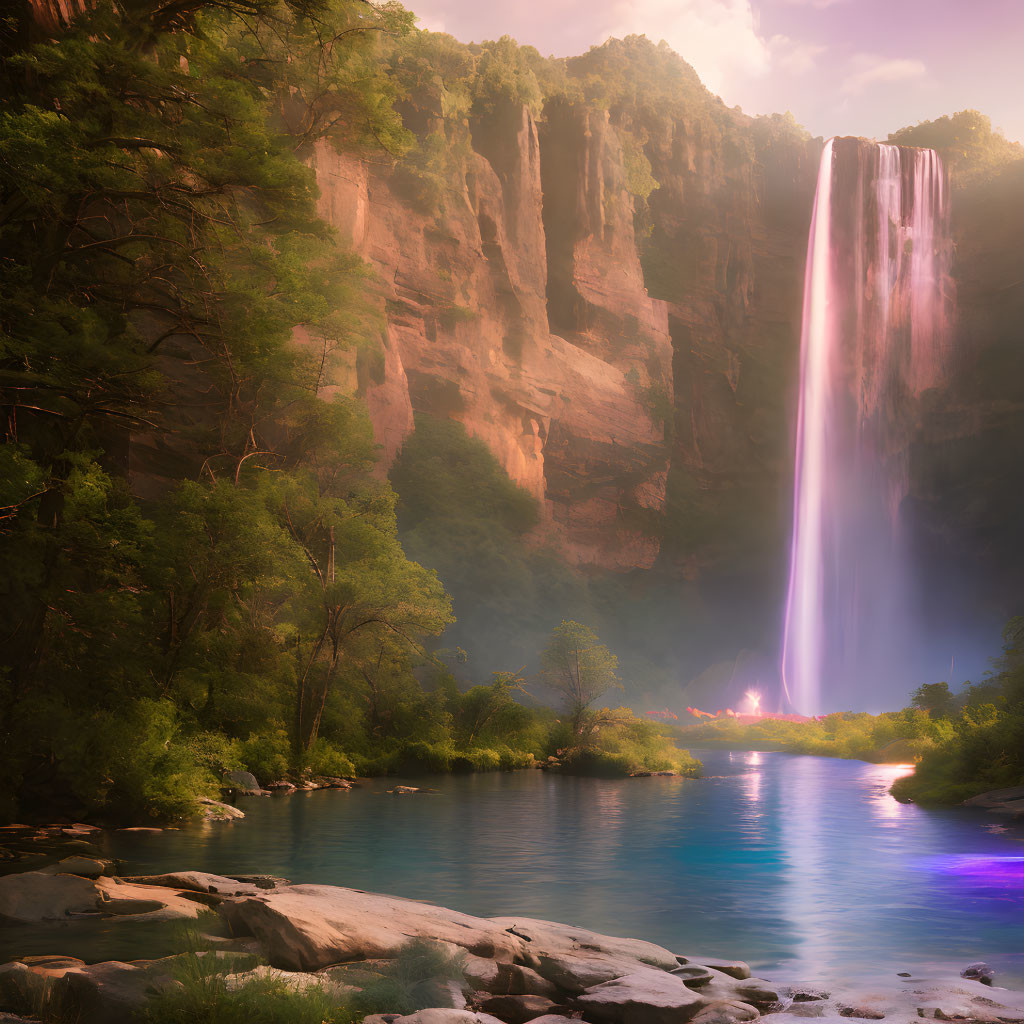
(875, 336)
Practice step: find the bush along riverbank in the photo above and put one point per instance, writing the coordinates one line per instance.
(155, 762)
(259, 950)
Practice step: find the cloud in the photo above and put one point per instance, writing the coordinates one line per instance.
(868, 70)
(720, 38)
(793, 56)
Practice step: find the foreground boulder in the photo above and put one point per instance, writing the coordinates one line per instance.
(105, 993)
(1001, 801)
(552, 937)
(645, 997)
(304, 927)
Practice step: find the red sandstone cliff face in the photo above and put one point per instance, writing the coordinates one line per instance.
(528, 309)
(468, 331)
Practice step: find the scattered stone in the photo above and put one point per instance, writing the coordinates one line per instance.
(139, 828)
(402, 790)
(332, 782)
(734, 968)
(214, 810)
(1000, 801)
(903, 974)
(808, 995)
(86, 867)
(262, 881)
(518, 1009)
(198, 881)
(647, 997)
(979, 972)
(281, 786)
(693, 975)
(79, 846)
(758, 992)
(860, 1012)
(730, 1011)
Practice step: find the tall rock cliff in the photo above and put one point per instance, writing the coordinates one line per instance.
(605, 349)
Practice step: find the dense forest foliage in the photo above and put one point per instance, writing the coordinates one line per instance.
(228, 589)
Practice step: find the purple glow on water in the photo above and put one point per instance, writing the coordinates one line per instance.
(877, 308)
(1004, 870)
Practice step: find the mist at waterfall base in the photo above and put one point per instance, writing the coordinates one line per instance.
(878, 305)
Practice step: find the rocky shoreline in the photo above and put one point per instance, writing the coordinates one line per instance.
(513, 970)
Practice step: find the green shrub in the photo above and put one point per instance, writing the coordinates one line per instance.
(266, 755)
(203, 997)
(323, 758)
(136, 760)
(412, 981)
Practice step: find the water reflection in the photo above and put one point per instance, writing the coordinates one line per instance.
(801, 865)
(881, 802)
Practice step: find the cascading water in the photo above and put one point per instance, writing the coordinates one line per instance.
(875, 335)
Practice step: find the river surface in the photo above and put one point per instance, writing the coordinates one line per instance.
(805, 867)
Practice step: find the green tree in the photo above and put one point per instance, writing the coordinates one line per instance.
(934, 698)
(580, 668)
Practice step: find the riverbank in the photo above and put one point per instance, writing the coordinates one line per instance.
(340, 950)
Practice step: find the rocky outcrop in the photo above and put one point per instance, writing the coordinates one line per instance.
(337, 941)
(467, 290)
(1008, 801)
(32, 896)
(594, 360)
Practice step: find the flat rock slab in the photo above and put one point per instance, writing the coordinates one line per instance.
(304, 927)
(37, 896)
(199, 881)
(734, 968)
(550, 937)
(149, 902)
(576, 972)
(646, 997)
(84, 867)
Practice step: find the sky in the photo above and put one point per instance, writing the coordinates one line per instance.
(842, 67)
